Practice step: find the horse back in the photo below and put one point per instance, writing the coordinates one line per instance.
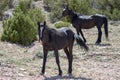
(59, 38)
(99, 19)
(84, 22)
(64, 35)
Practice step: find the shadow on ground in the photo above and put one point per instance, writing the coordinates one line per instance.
(65, 78)
(101, 44)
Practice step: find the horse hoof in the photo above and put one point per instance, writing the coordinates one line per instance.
(60, 74)
(41, 73)
(97, 43)
(69, 74)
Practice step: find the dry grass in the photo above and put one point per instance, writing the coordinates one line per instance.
(102, 62)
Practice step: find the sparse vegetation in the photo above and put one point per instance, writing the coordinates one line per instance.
(110, 8)
(61, 24)
(55, 8)
(80, 6)
(4, 5)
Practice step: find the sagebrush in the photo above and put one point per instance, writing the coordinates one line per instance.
(21, 28)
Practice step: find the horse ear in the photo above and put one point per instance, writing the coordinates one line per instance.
(44, 22)
(66, 7)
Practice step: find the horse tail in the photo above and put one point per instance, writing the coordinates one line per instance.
(81, 42)
(106, 27)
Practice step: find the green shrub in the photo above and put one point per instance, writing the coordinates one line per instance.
(61, 24)
(55, 7)
(108, 14)
(56, 11)
(108, 7)
(25, 5)
(80, 6)
(111, 8)
(115, 15)
(21, 28)
(55, 15)
(36, 15)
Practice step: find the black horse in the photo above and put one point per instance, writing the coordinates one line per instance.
(86, 22)
(55, 40)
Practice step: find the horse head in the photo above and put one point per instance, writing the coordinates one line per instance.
(66, 11)
(41, 28)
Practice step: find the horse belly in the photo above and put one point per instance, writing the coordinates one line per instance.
(61, 43)
(87, 24)
(48, 46)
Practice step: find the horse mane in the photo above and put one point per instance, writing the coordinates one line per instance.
(74, 15)
(78, 14)
(50, 31)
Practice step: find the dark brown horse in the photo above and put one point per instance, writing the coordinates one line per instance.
(55, 40)
(86, 22)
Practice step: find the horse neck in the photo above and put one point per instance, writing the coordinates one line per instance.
(46, 30)
(72, 16)
(46, 35)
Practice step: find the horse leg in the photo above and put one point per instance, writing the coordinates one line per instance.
(70, 59)
(82, 35)
(77, 30)
(99, 35)
(57, 61)
(67, 53)
(44, 61)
